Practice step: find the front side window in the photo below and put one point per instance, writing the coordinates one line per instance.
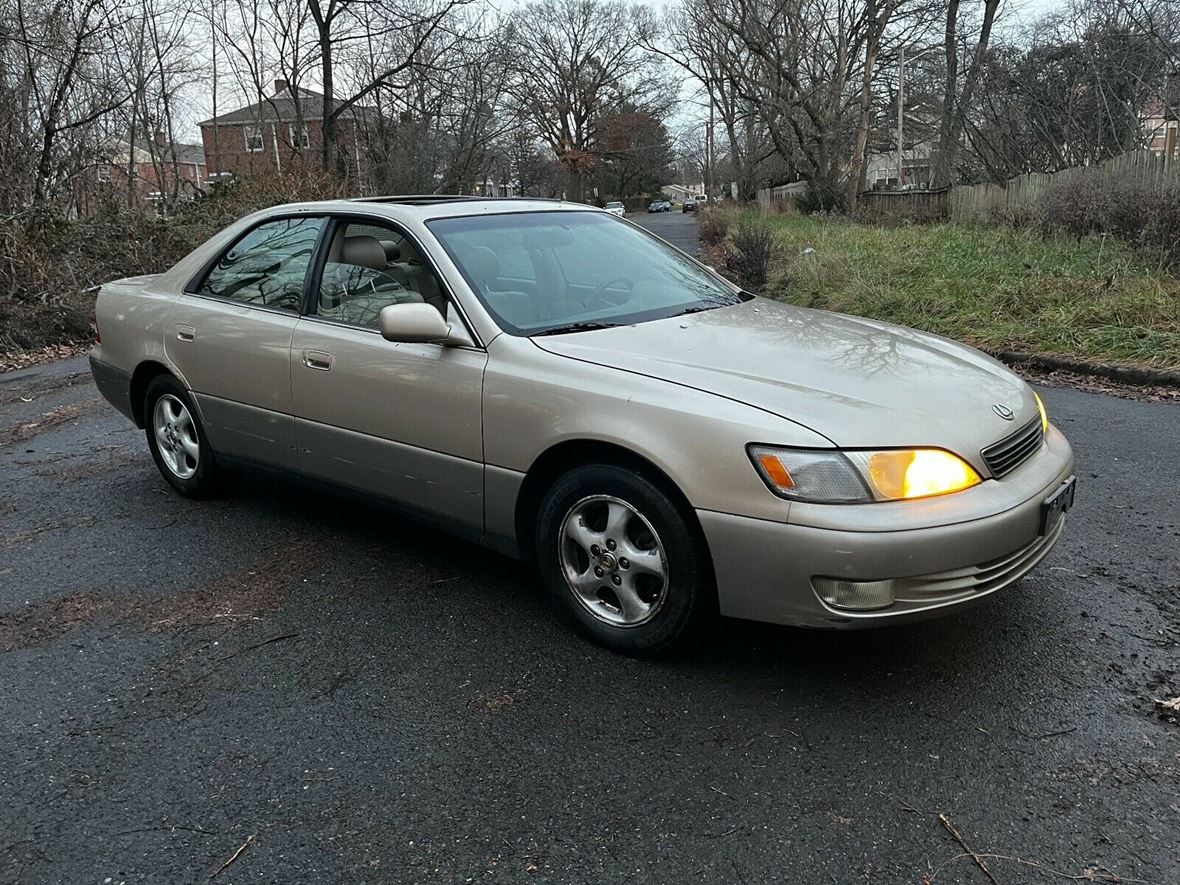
(549, 272)
(267, 266)
(369, 266)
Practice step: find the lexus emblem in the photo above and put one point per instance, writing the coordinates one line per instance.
(1003, 411)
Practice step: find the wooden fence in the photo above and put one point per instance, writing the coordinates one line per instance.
(781, 197)
(987, 202)
(919, 204)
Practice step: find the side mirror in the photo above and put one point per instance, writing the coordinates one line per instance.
(414, 324)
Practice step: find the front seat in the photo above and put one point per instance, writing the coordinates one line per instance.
(363, 252)
(358, 283)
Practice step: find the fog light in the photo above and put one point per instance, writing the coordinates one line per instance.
(859, 596)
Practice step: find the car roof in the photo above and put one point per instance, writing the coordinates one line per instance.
(422, 207)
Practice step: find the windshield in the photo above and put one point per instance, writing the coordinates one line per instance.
(549, 272)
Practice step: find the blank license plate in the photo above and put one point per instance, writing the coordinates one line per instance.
(1056, 504)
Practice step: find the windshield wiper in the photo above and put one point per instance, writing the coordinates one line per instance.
(577, 327)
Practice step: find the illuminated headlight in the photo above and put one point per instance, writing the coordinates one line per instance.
(1044, 414)
(828, 476)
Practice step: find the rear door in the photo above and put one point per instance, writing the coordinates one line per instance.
(400, 421)
(229, 335)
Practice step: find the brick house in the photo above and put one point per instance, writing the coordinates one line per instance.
(147, 169)
(1161, 129)
(1160, 120)
(282, 130)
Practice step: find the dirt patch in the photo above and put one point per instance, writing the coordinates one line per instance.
(115, 457)
(22, 359)
(53, 418)
(496, 702)
(241, 597)
(1096, 384)
(12, 390)
(17, 538)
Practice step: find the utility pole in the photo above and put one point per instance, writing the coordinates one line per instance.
(900, 116)
(709, 183)
(216, 140)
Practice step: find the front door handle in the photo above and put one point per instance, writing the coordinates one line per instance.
(186, 333)
(317, 359)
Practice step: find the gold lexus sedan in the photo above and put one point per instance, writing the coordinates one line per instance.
(562, 386)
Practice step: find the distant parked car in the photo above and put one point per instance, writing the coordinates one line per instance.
(614, 207)
(690, 205)
(659, 206)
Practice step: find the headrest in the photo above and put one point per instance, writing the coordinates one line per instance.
(392, 250)
(483, 265)
(363, 252)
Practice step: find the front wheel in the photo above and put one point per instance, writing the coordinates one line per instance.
(176, 438)
(627, 562)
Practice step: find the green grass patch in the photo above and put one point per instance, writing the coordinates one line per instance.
(995, 287)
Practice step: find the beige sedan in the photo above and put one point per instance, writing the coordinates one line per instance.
(562, 386)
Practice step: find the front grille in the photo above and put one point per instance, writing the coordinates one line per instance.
(1012, 451)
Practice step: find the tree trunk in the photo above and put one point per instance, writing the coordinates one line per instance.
(857, 162)
(950, 147)
(327, 115)
(951, 53)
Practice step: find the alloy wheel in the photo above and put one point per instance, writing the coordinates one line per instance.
(176, 436)
(613, 561)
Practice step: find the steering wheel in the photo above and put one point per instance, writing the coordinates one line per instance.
(597, 294)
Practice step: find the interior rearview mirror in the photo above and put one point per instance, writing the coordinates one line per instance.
(414, 324)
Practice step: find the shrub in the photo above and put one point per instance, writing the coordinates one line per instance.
(713, 227)
(750, 253)
(49, 269)
(822, 195)
(1143, 213)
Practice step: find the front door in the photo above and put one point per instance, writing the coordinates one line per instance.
(230, 339)
(400, 421)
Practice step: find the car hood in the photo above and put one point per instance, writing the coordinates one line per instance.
(858, 382)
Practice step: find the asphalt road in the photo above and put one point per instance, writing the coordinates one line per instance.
(315, 691)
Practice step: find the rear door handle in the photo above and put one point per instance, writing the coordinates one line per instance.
(317, 359)
(186, 333)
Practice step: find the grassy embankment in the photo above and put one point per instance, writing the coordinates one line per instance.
(998, 288)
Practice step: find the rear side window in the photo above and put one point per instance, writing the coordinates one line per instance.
(267, 266)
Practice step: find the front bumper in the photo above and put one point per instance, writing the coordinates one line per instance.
(764, 569)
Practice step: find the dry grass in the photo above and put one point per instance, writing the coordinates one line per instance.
(996, 287)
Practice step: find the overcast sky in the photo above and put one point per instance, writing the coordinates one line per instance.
(1014, 14)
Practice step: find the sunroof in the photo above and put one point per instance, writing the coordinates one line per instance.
(435, 199)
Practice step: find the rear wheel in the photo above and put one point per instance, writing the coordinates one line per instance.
(176, 438)
(624, 559)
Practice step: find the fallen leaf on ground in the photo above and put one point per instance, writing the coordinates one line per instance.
(1169, 709)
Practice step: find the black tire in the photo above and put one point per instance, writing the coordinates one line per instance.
(202, 481)
(688, 596)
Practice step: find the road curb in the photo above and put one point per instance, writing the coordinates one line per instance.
(1125, 374)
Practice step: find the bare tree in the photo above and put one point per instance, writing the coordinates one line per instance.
(712, 55)
(58, 82)
(956, 104)
(578, 61)
(342, 23)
